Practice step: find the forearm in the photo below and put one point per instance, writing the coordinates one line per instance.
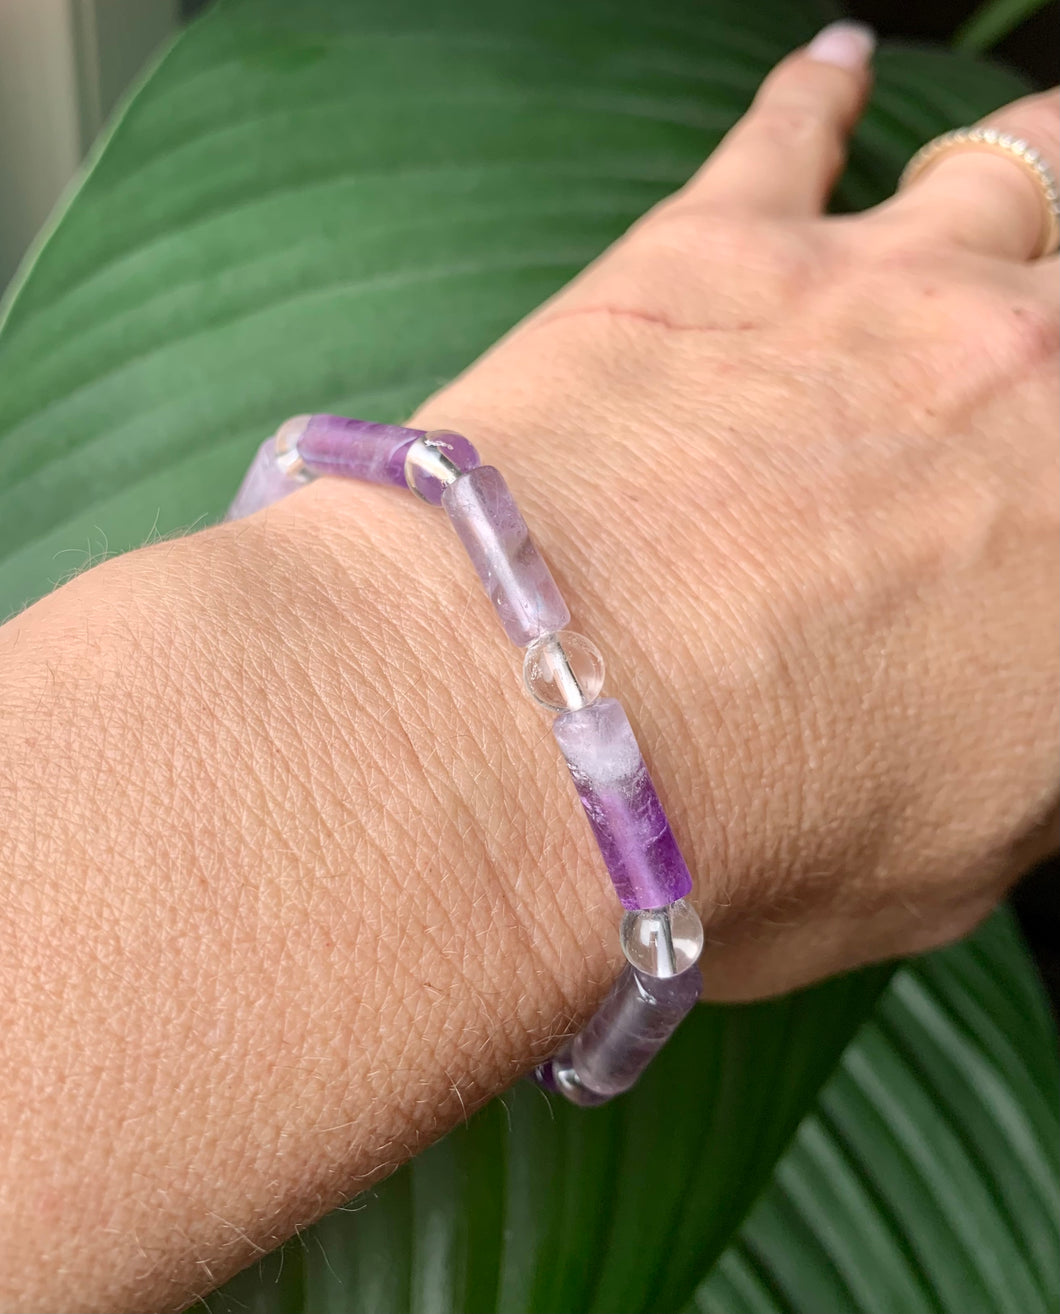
(293, 875)
(279, 892)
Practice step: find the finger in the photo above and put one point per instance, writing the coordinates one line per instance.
(786, 152)
(984, 200)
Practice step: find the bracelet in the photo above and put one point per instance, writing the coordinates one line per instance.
(661, 934)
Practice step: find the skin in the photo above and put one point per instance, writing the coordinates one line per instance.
(292, 874)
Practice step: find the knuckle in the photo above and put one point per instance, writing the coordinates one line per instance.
(791, 123)
(814, 82)
(671, 235)
(779, 251)
(674, 228)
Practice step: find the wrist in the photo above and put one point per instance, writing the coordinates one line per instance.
(471, 800)
(268, 848)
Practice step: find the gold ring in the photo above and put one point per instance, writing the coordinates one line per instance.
(1000, 143)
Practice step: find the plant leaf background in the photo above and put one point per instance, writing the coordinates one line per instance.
(336, 206)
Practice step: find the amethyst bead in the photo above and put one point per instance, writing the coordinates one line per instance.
(265, 482)
(513, 572)
(635, 839)
(356, 449)
(637, 1018)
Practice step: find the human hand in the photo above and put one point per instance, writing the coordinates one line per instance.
(293, 871)
(803, 470)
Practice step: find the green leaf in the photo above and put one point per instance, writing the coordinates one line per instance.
(336, 206)
(538, 1206)
(992, 22)
(926, 1177)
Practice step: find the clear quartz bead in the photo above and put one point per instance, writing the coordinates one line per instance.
(662, 942)
(435, 461)
(288, 457)
(563, 671)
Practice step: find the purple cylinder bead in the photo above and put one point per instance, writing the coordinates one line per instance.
(264, 483)
(637, 1018)
(627, 817)
(356, 449)
(513, 572)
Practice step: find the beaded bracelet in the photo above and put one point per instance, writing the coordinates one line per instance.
(661, 934)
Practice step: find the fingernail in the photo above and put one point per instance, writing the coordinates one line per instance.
(845, 44)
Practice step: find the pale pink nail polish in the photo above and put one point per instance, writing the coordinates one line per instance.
(846, 44)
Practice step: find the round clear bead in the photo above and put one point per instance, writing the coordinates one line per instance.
(435, 460)
(288, 457)
(662, 942)
(563, 671)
